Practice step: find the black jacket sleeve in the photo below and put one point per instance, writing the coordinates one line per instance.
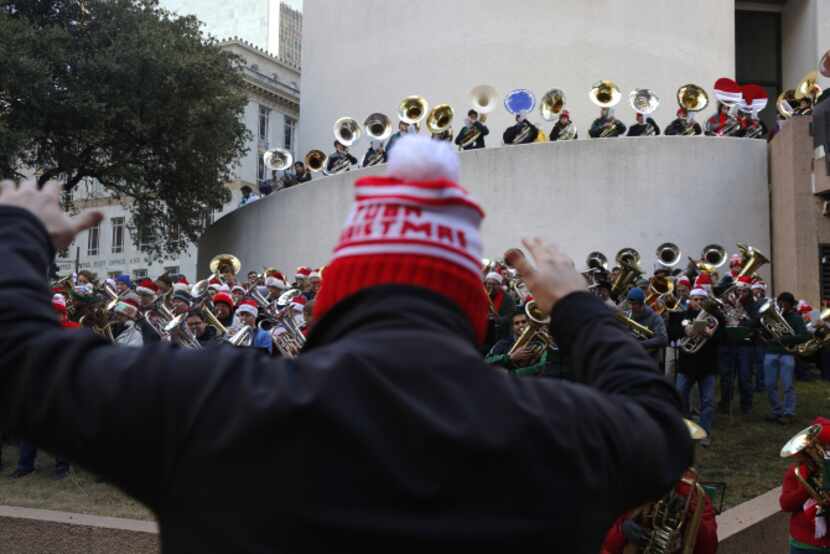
(482, 128)
(602, 354)
(654, 124)
(127, 414)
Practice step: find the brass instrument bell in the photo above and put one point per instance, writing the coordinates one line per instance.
(605, 94)
(378, 126)
(596, 261)
(752, 259)
(643, 100)
(711, 257)
(413, 109)
(220, 261)
(440, 118)
(552, 104)
(483, 99)
(692, 98)
(808, 87)
(346, 131)
(315, 160)
(668, 254)
(277, 159)
(786, 103)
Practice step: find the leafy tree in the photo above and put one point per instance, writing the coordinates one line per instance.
(128, 94)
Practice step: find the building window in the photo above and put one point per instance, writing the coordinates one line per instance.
(93, 240)
(264, 114)
(139, 274)
(288, 129)
(117, 235)
(172, 270)
(146, 240)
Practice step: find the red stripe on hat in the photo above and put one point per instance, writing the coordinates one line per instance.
(379, 181)
(449, 201)
(369, 242)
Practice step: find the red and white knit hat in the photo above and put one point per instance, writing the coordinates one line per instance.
(147, 286)
(59, 303)
(413, 226)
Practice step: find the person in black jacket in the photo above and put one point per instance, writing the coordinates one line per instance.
(699, 367)
(388, 428)
(563, 129)
(606, 125)
(340, 160)
(683, 125)
(375, 154)
(643, 127)
(523, 132)
(472, 125)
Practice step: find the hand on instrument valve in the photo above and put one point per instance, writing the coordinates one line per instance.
(521, 356)
(45, 206)
(553, 276)
(633, 533)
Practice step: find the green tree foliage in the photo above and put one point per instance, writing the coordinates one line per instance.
(125, 93)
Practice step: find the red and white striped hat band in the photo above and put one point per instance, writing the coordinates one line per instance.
(431, 218)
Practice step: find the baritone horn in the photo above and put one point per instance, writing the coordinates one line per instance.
(277, 159)
(315, 160)
(378, 126)
(346, 131)
(440, 119)
(692, 97)
(413, 109)
(807, 442)
(552, 104)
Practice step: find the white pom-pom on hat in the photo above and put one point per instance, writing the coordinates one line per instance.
(419, 158)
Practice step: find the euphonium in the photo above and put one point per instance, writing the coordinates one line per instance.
(596, 262)
(243, 337)
(774, 323)
(691, 344)
(806, 442)
(628, 259)
(672, 523)
(535, 336)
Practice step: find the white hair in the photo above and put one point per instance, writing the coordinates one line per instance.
(419, 158)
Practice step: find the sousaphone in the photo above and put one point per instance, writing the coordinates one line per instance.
(692, 97)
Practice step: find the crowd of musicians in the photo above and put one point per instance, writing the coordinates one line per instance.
(698, 324)
(736, 115)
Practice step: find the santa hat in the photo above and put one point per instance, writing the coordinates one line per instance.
(414, 226)
(684, 281)
(247, 307)
(804, 307)
(493, 276)
(275, 283)
(183, 280)
(147, 286)
(743, 281)
(127, 307)
(275, 273)
(181, 287)
(759, 285)
(698, 292)
(565, 113)
(703, 279)
(223, 288)
(214, 281)
(59, 303)
(303, 272)
(238, 288)
(298, 303)
(223, 297)
(728, 91)
(315, 274)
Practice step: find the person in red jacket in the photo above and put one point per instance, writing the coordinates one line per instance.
(808, 526)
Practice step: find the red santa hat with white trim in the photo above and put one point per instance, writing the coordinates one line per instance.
(302, 272)
(59, 303)
(248, 306)
(147, 286)
(275, 283)
(413, 226)
(728, 91)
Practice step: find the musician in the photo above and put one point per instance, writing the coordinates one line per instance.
(722, 123)
(164, 282)
(603, 290)
(756, 129)
(223, 308)
(606, 125)
(204, 333)
(247, 313)
(308, 318)
(808, 521)
(301, 174)
(699, 367)
(374, 153)
(523, 362)
(125, 330)
(502, 307)
(238, 293)
(644, 315)
(275, 288)
(628, 530)
(339, 157)
(472, 125)
(780, 364)
(644, 126)
(682, 288)
(683, 125)
(248, 196)
(301, 278)
(180, 302)
(403, 129)
(523, 132)
(315, 281)
(122, 284)
(738, 346)
(564, 129)
(805, 107)
(445, 135)
(382, 409)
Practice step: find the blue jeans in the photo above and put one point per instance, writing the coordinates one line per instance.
(706, 389)
(28, 453)
(758, 365)
(780, 366)
(736, 359)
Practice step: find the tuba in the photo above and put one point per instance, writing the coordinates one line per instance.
(413, 109)
(378, 126)
(605, 94)
(693, 99)
(658, 289)
(711, 257)
(752, 259)
(315, 160)
(483, 101)
(644, 101)
(536, 336)
(628, 259)
(347, 131)
(806, 442)
(520, 101)
(439, 120)
(596, 262)
(668, 254)
(552, 104)
(278, 159)
(808, 87)
(692, 344)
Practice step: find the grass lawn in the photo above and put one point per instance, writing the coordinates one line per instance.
(743, 453)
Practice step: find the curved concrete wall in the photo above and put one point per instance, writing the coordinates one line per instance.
(586, 195)
(364, 56)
